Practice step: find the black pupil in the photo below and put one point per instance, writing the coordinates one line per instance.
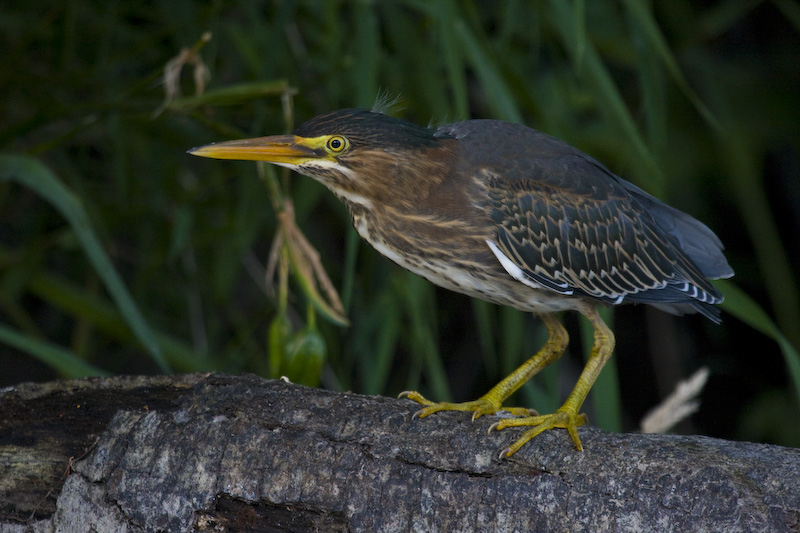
(336, 144)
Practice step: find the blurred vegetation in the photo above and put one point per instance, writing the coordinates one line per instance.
(120, 253)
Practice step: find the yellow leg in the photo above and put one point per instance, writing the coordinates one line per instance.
(567, 416)
(492, 401)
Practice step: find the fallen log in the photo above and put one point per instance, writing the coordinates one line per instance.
(208, 452)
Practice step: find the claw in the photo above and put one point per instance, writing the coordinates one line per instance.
(413, 395)
(504, 453)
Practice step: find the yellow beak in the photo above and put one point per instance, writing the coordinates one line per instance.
(278, 149)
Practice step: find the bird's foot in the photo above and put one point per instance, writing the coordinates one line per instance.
(565, 418)
(481, 406)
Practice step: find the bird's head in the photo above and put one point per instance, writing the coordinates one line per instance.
(361, 156)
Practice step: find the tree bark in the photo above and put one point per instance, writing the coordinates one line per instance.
(223, 453)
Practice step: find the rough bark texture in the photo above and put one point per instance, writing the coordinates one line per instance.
(222, 453)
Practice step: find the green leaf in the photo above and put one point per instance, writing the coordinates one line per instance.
(32, 173)
(74, 300)
(502, 102)
(640, 12)
(748, 311)
(419, 300)
(63, 361)
(610, 101)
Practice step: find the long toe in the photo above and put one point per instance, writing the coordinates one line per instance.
(478, 408)
(564, 419)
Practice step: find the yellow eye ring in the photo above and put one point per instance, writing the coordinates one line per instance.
(336, 144)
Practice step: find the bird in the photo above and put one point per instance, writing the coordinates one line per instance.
(511, 215)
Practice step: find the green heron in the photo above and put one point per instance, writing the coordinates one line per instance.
(508, 214)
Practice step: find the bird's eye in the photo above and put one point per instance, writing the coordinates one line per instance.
(337, 144)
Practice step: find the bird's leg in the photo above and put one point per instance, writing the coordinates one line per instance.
(492, 401)
(567, 416)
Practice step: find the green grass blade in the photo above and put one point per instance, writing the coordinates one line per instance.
(748, 311)
(610, 101)
(745, 179)
(790, 10)
(383, 323)
(63, 361)
(420, 305)
(231, 95)
(484, 324)
(102, 315)
(502, 101)
(35, 175)
(368, 47)
(580, 34)
(653, 89)
(723, 16)
(512, 340)
(453, 59)
(641, 15)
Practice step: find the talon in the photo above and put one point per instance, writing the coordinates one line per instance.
(414, 396)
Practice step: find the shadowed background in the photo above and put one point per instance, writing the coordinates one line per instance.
(120, 253)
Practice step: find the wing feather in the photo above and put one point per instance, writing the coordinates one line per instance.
(602, 245)
(566, 223)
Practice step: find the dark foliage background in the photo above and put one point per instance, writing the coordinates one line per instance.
(120, 253)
